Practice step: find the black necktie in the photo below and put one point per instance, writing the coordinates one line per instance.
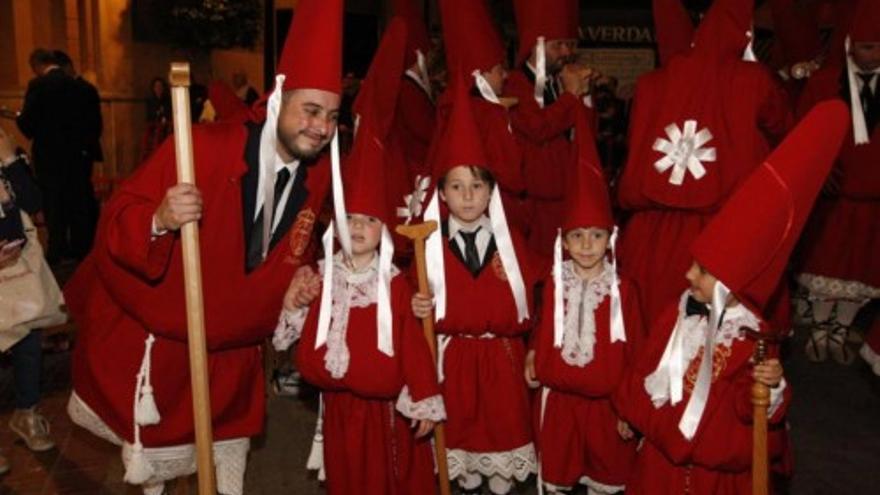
(471, 255)
(867, 96)
(695, 307)
(255, 241)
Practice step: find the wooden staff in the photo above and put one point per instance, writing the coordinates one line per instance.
(418, 233)
(192, 276)
(760, 404)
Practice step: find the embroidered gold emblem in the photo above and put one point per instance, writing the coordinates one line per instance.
(719, 363)
(498, 267)
(301, 233)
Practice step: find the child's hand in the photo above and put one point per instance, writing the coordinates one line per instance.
(304, 288)
(531, 376)
(422, 304)
(423, 427)
(769, 373)
(624, 430)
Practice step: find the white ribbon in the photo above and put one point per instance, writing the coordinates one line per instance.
(749, 52)
(508, 254)
(618, 329)
(326, 289)
(434, 258)
(442, 343)
(696, 405)
(384, 340)
(268, 151)
(684, 151)
(339, 211)
(485, 88)
(860, 127)
(412, 203)
(558, 296)
(545, 392)
(540, 71)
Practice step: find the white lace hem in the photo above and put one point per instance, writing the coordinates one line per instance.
(431, 408)
(601, 488)
(518, 463)
(289, 328)
(836, 288)
(166, 463)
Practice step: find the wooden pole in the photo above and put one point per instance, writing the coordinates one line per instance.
(192, 276)
(418, 233)
(760, 403)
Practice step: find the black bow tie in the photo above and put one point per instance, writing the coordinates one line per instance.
(695, 307)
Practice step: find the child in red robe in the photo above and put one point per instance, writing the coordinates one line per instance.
(689, 391)
(580, 348)
(362, 347)
(482, 283)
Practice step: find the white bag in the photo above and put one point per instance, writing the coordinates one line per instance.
(29, 295)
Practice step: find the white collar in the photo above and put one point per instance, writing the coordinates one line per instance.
(455, 225)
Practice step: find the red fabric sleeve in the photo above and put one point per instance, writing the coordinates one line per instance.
(419, 370)
(541, 124)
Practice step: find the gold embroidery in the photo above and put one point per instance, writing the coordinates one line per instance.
(301, 233)
(498, 267)
(719, 363)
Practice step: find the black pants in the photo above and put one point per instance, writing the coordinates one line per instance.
(69, 205)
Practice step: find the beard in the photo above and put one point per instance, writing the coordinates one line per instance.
(298, 152)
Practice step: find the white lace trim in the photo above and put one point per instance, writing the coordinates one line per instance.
(518, 463)
(289, 328)
(694, 330)
(582, 298)
(350, 290)
(601, 488)
(835, 288)
(430, 408)
(166, 463)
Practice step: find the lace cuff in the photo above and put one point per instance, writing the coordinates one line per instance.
(430, 408)
(289, 329)
(776, 398)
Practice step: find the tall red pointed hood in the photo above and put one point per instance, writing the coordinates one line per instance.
(312, 54)
(586, 197)
(866, 23)
(748, 242)
(725, 30)
(460, 142)
(797, 30)
(673, 27)
(471, 40)
(227, 105)
(381, 86)
(418, 38)
(552, 19)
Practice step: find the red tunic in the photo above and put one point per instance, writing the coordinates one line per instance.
(543, 135)
(665, 218)
(718, 459)
(487, 404)
(842, 238)
(130, 286)
(368, 446)
(578, 433)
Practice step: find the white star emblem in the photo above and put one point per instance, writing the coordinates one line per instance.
(684, 151)
(412, 203)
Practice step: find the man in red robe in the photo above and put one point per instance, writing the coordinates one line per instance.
(699, 125)
(130, 366)
(549, 89)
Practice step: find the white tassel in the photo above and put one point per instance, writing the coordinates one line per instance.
(434, 258)
(618, 329)
(508, 255)
(326, 289)
(138, 470)
(540, 71)
(147, 413)
(315, 461)
(860, 127)
(384, 340)
(558, 296)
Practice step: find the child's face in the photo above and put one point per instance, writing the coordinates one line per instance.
(466, 195)
(366, 232)
(702, 283)
(586, 246)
